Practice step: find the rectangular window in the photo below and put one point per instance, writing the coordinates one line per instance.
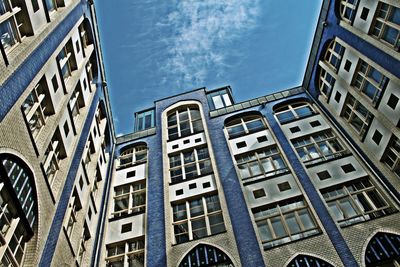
(9, 25)
(318, 147)
(357, 115)
(369, 81)
(52, 160)
(264, 163)
(197, 218)
(144, 120)
(355, 202)
(391, 157)
(386, 25)
(284, 222)
(190, 164)
(131, 251)
(219, 99)
(129, 199)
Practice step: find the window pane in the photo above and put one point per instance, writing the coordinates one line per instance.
(265, 233)
(217, 102)
(292, 224)
(216, 223)
(306, 219)
(278, 227)
(199, 229)
(196, 208)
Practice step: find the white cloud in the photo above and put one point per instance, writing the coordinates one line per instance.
(202, 31)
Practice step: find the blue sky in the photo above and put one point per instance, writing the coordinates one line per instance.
(153, 49)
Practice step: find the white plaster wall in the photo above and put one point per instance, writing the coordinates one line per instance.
(364, 25)
(78, 55)
(337, 174)
(67, 140)
(58, 96)
(120, 175)
(353, 58)
(251, 142)
(192, 192)
(371, 145)
(190, 142)
(85, 91)
(305, 127)
(338, 106)
(38, 18)
(272, 192)
(392, 115)
(114, 229)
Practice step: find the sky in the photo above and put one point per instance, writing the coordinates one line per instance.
(157, 48)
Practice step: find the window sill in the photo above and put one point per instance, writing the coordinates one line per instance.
(191, 179)
(223, 232)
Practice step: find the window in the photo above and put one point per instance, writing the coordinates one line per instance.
(184, 121)
(51, 5)
(262, 139)
(144, 120)
(35, 5)
(326, 82)
(241, 144)
(391, 157)
(131, 251)
(66, 128)
(318, 147)
(348, 10)
(377, 137)
(131, 174)
(37, 107)
(284, 186)
(354, 202)
(82, 244)
(126, 228)
(54, 82)
(334, 54)
(364, 13)
(284, 222)
(52, 158)
(66, 59)
(72, 218)
(348, 168)
(386, 25)
(84, 35)
(265, 162)
(392, 101)
(295, 129)
(76, 102)
(338, 96)
(259, 193)
(129, 199)
(197, 218)
(219, 99)
(357, 115)
(133, 155)
(245, 125)
(294, 112)
(370, 81)
(11, 21)
(324, 175)
(315, 123)
(347, 65)
(190, 164)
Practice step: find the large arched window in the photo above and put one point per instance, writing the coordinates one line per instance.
(293, 111)
(334, 54)
(184, 121)
(18, 208)
(383, 250)
(308, 261)
(133, 155)
(245, 125)
(206, 255)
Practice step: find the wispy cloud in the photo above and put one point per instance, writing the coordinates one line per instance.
(202, 37)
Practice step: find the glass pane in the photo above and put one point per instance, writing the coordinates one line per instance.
(244, 171)
(347, 208)
(179, 212)
(285, 116)
(217, 102)
(306, 219)
(335, 211)
(196, 208)
(292, 224)
(278, 227)
(255, 168)
(235, 131)
(213, 203)
(199, 229)
(216, 223)
(254, 126)
(303, 111)
(267, 165)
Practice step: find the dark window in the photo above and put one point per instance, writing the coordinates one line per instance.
(284, 186)
(348, 168)
(66, 128)
(130, 174)
(35, 5)
(78, 49)
(261, 139)
(206, 185)
(179, 192)
(192, 186)
(55, 83)
(126, 228)
(187, 141)
(90, 213)
(324, 175)
(81, 182)
(259, 193)
(175, 146)
(338, 96)
(347, 65)
(315, 123)
(364, 13)
(197, 140)
(241, 144)
(295, 129)
(393, 100)
(377, 137)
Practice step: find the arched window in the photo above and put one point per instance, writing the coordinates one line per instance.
(184, 121)
(348, 9)
(245, 125)
(386, 25)
(18, 208)
(326, 82)
(334, 54)
(294, 111)
(308, 261)
(383, 250)
(133, 155)
(206, 255)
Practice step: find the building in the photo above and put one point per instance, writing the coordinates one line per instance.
(56, 132)
(309, 176)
